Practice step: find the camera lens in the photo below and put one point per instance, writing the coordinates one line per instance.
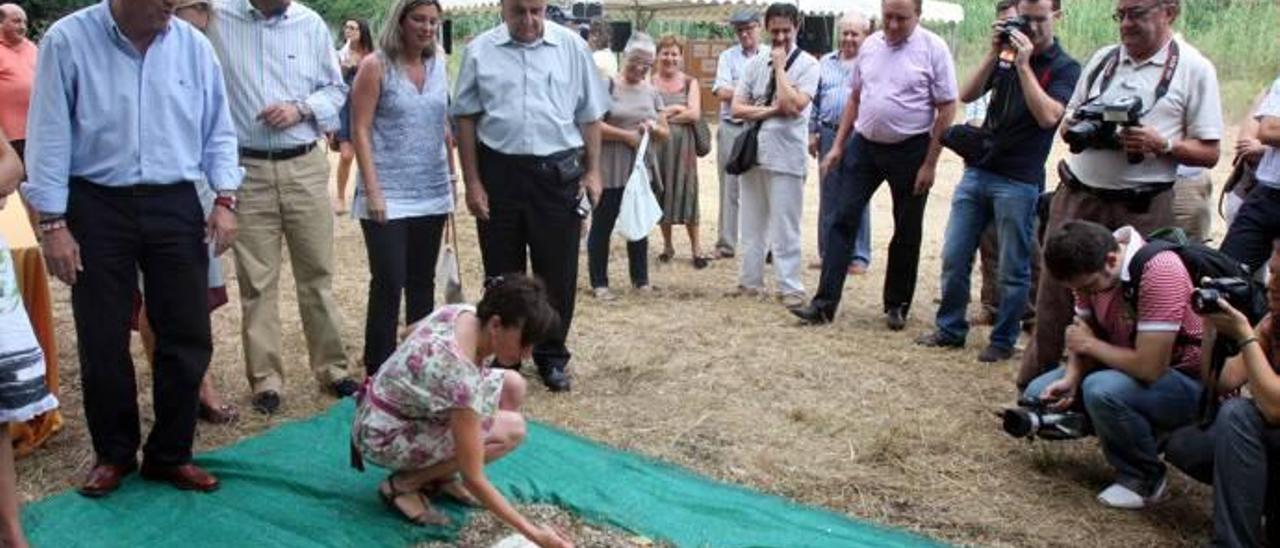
(1020, 423)
(1205, 301)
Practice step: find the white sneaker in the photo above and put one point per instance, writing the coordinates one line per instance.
(1119, 496)
(603, 294)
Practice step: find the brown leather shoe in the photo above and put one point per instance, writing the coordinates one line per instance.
(187, 477)
(105, 478)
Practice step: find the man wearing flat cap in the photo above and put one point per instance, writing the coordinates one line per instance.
(729, 72)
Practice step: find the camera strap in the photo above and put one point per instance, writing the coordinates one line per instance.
(773, 84)
(1112, 63)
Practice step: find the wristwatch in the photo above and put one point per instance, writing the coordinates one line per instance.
(1168, 147)
(228, 201)
(304, 110)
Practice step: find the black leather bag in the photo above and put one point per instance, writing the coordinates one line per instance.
(745, 153)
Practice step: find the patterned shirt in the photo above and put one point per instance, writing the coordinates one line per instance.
(900, 85)
(530, 98)
(277, 58)
(1164, 305)
(104, 112)
(729, 71)
(835, 84)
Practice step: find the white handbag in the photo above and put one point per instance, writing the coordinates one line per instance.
(640, 210)
(447, 270)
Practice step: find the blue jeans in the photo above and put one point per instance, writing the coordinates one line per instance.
(982, 197)
(826, 206)
(1127, 413)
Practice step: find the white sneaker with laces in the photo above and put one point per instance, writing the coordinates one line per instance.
(1119, 496)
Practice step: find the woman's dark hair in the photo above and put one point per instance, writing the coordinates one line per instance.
(519, 300)
(1078, 248)
(366, 35)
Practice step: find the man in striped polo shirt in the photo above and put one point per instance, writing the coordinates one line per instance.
(1132, 366)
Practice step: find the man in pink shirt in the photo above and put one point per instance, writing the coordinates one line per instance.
(17, 72)
(904, 97)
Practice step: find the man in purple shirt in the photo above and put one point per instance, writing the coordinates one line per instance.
(904, 97)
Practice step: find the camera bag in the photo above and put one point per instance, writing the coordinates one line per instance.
(745, 152)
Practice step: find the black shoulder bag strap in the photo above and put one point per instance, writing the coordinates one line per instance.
(773, 84)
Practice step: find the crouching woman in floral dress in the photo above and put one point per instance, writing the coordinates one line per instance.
(435, 409)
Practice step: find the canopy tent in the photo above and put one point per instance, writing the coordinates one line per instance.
(644, 11)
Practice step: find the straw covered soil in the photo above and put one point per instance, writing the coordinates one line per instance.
(851, 416)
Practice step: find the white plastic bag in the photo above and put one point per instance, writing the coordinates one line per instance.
(448, 273)
(640, 210)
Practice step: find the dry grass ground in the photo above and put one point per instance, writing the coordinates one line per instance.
(850, 416)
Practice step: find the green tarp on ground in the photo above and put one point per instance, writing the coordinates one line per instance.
(292, 486)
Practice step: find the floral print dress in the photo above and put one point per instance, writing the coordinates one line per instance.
(402, 421)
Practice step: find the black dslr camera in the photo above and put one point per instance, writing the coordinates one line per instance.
(1032, 418)
(1094, 125)
(1236, 291)
(1007, 26)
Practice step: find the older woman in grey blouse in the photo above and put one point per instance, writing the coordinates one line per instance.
(404, 190)
(636, 109)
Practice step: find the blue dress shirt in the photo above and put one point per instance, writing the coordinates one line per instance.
(530, 98)
(102, 111)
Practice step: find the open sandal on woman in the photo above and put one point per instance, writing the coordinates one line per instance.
(454, 489)
(428, 516)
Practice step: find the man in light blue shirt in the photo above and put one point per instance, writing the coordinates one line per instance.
(528, 105)
(835, 84)
(128, 109)
(285, 90)
(729, 72)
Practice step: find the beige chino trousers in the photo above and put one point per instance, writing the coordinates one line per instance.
(287, 201)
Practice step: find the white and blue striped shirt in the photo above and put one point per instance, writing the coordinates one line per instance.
(282, 57)
(102, 111)
(835, 85)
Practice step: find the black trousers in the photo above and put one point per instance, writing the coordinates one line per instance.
(402, 262)
(603, 220)
(864, 167)
(533, 221)
(1256, 225)
(160, 229)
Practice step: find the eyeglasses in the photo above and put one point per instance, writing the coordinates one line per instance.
(1135, 14)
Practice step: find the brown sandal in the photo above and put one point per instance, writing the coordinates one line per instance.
(429, 516)
(454, 489)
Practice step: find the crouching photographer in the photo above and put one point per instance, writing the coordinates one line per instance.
(1133, 353)
(1141, 108)
(1239, 451)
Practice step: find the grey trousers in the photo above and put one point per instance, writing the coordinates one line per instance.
(1192, 206)
(727, 240)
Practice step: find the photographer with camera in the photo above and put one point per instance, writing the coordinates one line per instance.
(1239, 451)
(1131, 366)
(1030, 78)
(1143, 107)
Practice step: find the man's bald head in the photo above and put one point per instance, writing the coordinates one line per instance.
(13, 23)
